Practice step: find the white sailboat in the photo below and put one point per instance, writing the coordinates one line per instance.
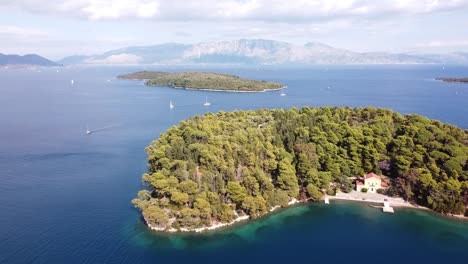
(206, 102)
(171, 105)
(88, 131)
(282, 93)
(72, 82)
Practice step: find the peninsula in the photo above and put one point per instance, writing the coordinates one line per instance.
(214, 170)
(202, 81)
(459, 80)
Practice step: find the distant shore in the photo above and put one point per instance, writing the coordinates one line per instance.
(202, 81)
(225, 91)
(454, 80)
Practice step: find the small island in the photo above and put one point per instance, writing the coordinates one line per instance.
(202, 81)
(214, 170)
(458, 80)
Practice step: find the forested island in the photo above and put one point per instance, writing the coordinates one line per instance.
(460, 80)
(202, 81)
(219, 168)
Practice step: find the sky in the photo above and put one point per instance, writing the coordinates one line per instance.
(59, 28)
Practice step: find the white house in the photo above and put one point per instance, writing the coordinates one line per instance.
(372, 182)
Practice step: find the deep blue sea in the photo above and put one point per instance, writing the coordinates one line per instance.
(65, 195)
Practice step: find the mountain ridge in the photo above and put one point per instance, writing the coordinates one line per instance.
(25, 60)
(256, 51)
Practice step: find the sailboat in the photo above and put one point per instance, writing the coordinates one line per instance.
(206, 102)
(72, 82)
(282, 93)
(88, 131)
(171, 105)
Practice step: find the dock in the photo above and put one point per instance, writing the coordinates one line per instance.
(387, 208)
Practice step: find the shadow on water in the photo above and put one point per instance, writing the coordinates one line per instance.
(58, 155)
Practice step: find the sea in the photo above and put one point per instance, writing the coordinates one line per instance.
(65, 195)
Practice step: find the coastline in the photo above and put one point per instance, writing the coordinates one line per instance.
(452, 80)
(204, 89)
(214, 90)
(216, 225)
(395, 202)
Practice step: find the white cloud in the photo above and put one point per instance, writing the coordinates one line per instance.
(117, 59)
(258, 10)
(427, 6)
(91, 9)
(443, 44)
(102, 9)
(22, 32)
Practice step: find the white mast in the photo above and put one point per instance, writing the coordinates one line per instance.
(206, 102)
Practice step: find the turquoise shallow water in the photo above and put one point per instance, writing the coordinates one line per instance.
(341, 231)
(65, 196)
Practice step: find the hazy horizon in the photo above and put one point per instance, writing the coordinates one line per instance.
(61, 28)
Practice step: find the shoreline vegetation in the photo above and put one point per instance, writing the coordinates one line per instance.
(240, 219)
(457, 80)
(203, 81)
(216, 170)
(217, 225)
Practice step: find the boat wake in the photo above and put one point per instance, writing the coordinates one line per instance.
(90, 131)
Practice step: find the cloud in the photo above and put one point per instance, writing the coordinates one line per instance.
(22, 32)
(121, 59)
(443, 44)
(102, 9)
(91, 9)
(251, 10)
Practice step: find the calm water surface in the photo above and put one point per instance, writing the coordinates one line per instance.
(65, 196)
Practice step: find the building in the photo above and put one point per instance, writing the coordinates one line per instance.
(372, 182)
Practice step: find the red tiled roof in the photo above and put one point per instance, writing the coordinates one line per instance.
(372, 175)
(383, 184)
(359, 183)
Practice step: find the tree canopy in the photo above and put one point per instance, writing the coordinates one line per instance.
(202, 81)
(215, 167)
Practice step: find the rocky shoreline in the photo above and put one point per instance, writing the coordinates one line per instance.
(214, 226)
(395, 202)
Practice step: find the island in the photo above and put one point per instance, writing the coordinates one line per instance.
(202, 81)
(459, 80)
(214, 170)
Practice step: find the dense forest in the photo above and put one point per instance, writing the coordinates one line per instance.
(202, 80)
(215, 167)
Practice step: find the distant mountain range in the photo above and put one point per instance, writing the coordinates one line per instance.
(256, 51)
(26, 60)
